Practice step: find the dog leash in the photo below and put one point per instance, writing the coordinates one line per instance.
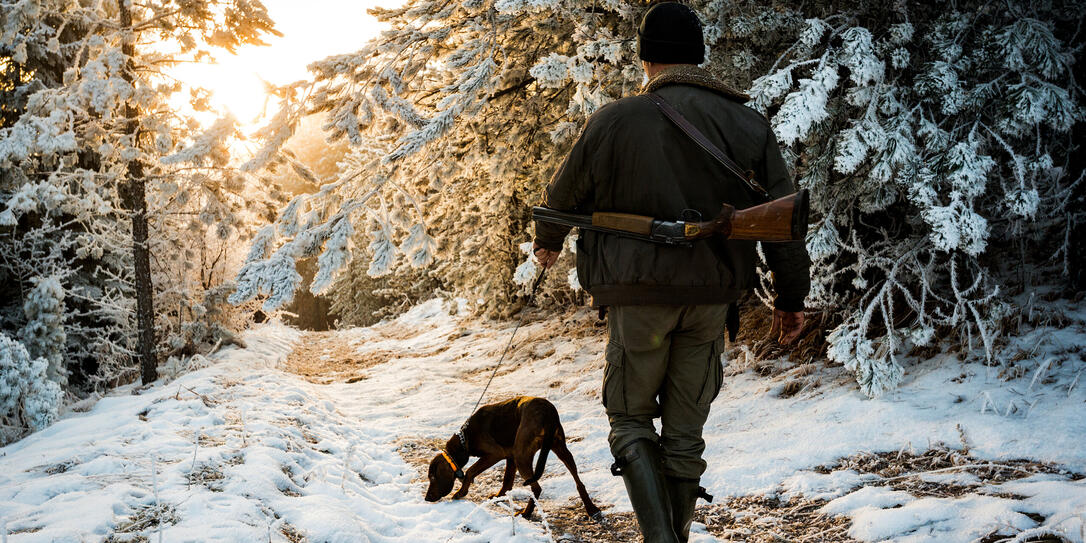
(531, 298)
(458, 471)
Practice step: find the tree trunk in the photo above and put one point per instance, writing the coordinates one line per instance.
(135, 201)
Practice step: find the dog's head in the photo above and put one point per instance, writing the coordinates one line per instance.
(445, 469)
(442, 478)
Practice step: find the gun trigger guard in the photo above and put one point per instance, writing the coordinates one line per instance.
(690, 215)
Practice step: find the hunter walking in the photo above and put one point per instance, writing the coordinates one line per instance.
(667, 306)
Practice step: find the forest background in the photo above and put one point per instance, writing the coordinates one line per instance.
(140, 229)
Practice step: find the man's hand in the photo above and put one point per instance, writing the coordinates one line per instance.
(788, 324)
(546, 257)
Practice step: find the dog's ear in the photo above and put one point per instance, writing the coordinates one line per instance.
(432, 471)
(453, 444)
(441, 479)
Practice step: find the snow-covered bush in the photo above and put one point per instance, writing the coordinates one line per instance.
(28, 398)
(933, 152)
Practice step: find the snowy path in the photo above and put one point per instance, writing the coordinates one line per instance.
(270, 464)
(244, 451)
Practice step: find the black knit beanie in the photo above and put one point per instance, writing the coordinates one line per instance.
(670, 33)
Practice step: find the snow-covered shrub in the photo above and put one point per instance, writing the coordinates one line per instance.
(28, 398)
(928, 146)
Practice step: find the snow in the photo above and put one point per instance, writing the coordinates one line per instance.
(822, 486)
(325, 460)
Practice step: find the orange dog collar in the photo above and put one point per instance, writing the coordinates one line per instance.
(457, 472)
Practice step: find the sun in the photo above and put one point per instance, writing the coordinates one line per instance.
(311, 31)
(235, 90)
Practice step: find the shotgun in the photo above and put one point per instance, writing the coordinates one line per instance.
(783, 219)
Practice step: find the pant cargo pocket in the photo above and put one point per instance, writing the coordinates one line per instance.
(714, 374)
(614, 386)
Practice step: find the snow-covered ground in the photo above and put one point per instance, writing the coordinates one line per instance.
(245, 451)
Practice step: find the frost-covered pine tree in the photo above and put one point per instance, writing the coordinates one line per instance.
(931, 139)
(44, 335)
(28, 398)
(101, 175)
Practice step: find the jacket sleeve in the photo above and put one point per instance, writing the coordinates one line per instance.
(571, 188)
(789, 261)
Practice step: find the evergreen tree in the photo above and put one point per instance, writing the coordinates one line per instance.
(100, 173)
(44, 335)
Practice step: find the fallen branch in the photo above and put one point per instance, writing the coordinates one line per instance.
(954, 468)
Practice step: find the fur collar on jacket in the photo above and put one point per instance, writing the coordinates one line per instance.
(688, 74)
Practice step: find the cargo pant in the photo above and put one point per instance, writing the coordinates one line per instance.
(664, 361)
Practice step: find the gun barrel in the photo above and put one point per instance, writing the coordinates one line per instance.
(621, 224)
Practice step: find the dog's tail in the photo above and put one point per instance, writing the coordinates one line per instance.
(544, 450)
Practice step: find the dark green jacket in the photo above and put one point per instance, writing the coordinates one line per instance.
(630, 158)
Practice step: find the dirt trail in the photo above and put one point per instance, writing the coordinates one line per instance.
(325, 358)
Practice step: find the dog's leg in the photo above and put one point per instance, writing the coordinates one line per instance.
(524, 466)
(510, 476)
(478, 467)
(563, 454)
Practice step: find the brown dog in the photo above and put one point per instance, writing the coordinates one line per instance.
(512, 430)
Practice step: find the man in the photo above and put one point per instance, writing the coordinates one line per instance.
(667, 305)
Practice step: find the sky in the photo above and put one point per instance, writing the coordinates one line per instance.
(312, 30)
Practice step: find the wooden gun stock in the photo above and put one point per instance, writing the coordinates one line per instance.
(783, 219)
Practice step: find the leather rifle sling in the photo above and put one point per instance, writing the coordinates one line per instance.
(703, 142)
(731, 321)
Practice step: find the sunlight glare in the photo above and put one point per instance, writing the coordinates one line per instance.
(311, 31)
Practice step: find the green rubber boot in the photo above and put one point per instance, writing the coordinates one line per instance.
(683, 495)
(639, 465)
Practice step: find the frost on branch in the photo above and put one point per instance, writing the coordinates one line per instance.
(335, 255)
(806, 107)
(210, 146)
(552, 71)
(383, 251)
(957, 227)
(873, 364)
(277, 277)
(769, 87)
(418, 247)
